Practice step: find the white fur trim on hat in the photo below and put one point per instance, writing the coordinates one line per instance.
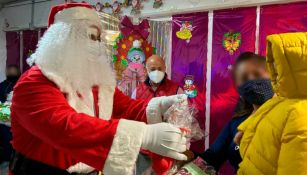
(76, 13)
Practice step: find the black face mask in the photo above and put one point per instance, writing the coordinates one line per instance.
(256, 91)
(12, 78)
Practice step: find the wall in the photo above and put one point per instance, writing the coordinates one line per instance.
(2, 49)
(19, 15)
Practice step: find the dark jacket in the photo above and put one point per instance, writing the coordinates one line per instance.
(224, 148)
(5, 88)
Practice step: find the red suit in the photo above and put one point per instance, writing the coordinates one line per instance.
(166, 88)
(47, 128)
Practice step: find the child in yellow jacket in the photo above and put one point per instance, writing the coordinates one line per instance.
(275, 137)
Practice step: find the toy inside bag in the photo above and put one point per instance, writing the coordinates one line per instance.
(183, 116)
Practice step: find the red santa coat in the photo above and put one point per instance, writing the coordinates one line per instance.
(46, 128)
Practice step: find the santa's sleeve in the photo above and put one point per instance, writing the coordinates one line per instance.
(41, 109)
(126, 108)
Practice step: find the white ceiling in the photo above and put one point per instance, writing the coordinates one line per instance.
(3, 2)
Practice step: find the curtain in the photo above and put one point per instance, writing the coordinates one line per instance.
(189, 58)
(30, 39)
(281, 19)
(160, 38)
(110, 29)
(234, 32)
(12, 47)
(189, 52)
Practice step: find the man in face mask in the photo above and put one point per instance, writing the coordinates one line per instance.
(12, 75)
(157, 84)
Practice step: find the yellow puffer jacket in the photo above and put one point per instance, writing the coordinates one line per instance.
(275, 137)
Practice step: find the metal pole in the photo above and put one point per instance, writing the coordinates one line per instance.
(31, 26)
(39, 34)
(21, 51)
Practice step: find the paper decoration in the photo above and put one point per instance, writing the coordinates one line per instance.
(136, 7)
(189, 87)
(185, 32)
(116, 7)
(157, 3)
(130, 53)
(232, 41)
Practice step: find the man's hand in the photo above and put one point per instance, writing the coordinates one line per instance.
(166, 140)
(159, 105)
(238, 137)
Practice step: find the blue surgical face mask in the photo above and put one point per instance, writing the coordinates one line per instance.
(256, 91)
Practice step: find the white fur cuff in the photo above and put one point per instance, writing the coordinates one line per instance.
(80, 168)
(153, 111)
(125, 148)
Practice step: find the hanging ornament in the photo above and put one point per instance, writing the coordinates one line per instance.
(185, 32)
(98, 7)
(157, 4)
(189, 87)
(232, 41)
(136, 7)
(126, 3)
(116, 7)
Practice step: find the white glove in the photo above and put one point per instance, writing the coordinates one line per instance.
(166, 140)
(159, 105)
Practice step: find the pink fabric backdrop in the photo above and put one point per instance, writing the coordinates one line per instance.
(190, 58)
(223, 93)
(280, 19)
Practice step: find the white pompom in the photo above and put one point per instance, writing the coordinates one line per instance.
(137, 44)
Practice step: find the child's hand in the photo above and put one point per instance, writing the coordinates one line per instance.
(190, 155)
(238, 137)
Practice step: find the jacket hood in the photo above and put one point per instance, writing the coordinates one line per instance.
(287, 64)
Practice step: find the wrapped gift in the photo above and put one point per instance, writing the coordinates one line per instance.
(5, 112)
(196, 167)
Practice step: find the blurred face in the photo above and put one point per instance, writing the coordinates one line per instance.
(250, 70)
(12, 72)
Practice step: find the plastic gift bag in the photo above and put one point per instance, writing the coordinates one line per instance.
(182, 115)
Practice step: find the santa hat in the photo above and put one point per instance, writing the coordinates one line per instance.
(72, 11)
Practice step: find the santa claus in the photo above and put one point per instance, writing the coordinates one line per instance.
(67, 115)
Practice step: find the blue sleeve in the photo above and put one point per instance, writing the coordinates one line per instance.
(216, 155)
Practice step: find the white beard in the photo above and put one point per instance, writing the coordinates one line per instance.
(67, 56)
